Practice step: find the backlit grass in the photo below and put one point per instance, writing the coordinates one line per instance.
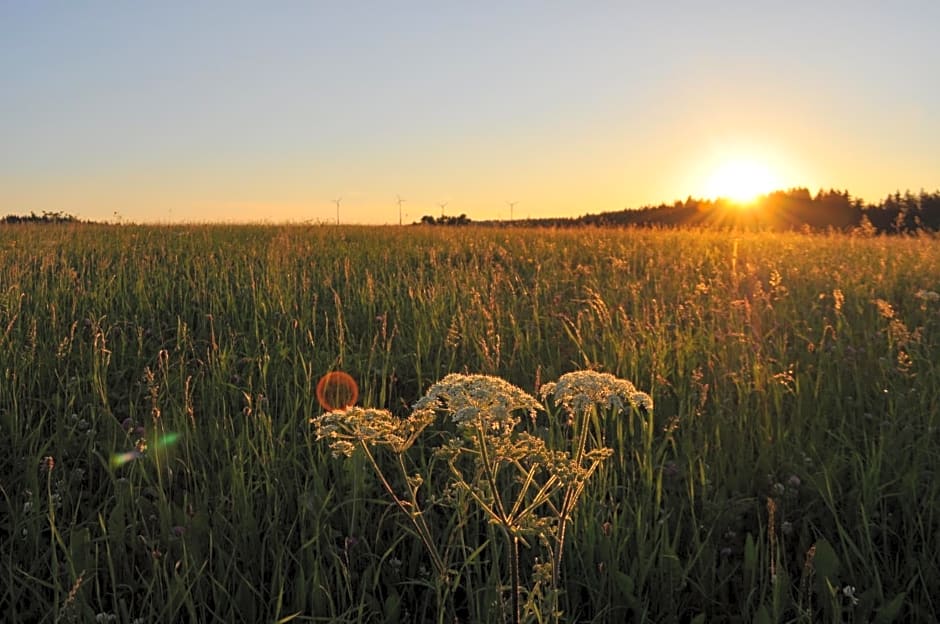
(157, 461)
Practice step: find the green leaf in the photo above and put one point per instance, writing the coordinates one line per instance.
(626, 586)
(750, 555)
(890, 611)
(826, 563)
(79, 551)
(392, 608)
(115, 527)
(624, 582)
(762, 616)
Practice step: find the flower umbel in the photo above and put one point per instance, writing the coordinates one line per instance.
(579, 390)
(478, 400)
(375, 427)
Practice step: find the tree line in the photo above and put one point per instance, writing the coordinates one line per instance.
(45, 217)
(793, 209)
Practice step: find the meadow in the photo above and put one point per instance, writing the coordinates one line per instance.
(158, 461)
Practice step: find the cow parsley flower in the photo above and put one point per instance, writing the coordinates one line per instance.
(579, 390)
(344, 428)
(477, 400)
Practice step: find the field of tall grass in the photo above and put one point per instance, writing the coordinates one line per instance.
(158, 462)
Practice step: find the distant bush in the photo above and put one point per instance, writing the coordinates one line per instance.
(442, 220)
(45, 217)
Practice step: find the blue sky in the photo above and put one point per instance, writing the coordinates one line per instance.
(269, 111)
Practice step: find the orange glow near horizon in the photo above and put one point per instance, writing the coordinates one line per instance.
(741, 181)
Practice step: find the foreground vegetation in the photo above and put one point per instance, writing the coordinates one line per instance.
(157, 460)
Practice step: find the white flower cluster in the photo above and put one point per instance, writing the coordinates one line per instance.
(478, 402)
(370, 426)
(849, 592)
(579, 390)
(473, 400)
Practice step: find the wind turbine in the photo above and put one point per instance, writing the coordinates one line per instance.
(400, 202)
(511, 206)
(337, 201)
(443, 205)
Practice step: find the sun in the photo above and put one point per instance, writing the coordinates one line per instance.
(742, 181)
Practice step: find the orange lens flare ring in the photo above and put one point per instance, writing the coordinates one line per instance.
(337, 390)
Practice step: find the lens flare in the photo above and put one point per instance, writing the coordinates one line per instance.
(337, 390)
(167, 439)
(162, 442)
(120, 459)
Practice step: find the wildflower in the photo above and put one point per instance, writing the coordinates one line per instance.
(342, 448)
(47, 464)
(885, 309)
(642, 401)
(927, 295)
(369, 426)
(578, 390)
(477, 400)
(849, 592)
(794, 481)
(486, 453)
(542, 572)
(839, 299)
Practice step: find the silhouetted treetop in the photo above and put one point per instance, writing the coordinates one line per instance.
(793, 209)
(45, 217)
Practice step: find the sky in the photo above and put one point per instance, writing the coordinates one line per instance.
(269, 111)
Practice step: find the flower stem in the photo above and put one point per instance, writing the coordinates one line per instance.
(514, 573)
(411, 509)
(572, 493)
